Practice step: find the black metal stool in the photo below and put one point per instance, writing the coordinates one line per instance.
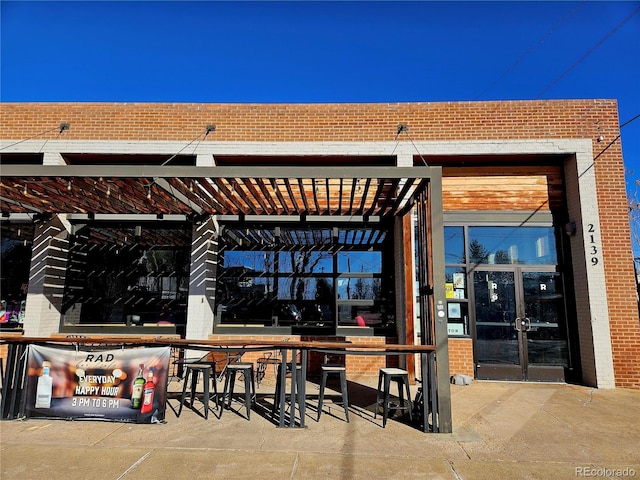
(249, 385)
(193, 370)
(386, 376)
(342, 372)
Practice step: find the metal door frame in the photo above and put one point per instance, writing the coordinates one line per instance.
(522, 371)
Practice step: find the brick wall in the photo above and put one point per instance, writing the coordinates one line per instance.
(461, 356)
(357, 365)
(445, 121)
(314, 122)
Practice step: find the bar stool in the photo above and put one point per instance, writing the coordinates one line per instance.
(386, 376)
(193, 370)
(249, 385)
(340, 370)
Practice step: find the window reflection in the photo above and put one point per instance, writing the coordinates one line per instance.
(359, 262)
(127, 275)
(305, 262)
(15, 263)
(251, 261)
(304, 277)
(359, 288)
(454, 245)
(512, 245)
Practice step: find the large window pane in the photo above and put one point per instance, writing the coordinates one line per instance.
(512, 245)
(454, 245)
(117, 276)
(363, 316)
(359, 288)
(249, 261)
(300, 288)
(305, 262)
(299, 275)
(245, 299)
(359, 262)
(17, 239)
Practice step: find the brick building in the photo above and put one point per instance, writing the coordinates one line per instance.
(496, 230)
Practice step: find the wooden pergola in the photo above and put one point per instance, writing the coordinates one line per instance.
(127, 189)
(197, 192)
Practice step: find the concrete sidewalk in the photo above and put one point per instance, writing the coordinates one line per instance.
(501, 430)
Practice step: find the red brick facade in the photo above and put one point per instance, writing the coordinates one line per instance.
(461, 356)
(448, 121)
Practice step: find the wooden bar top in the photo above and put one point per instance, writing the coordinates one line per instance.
(189, 343)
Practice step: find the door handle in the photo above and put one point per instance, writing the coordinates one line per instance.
(522, 324)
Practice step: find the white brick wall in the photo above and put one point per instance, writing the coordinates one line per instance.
(200, 313)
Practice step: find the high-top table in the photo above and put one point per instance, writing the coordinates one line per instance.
(13, 378)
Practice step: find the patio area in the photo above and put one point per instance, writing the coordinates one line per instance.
(501, 430)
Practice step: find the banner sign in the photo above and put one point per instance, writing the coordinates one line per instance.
(121, 385)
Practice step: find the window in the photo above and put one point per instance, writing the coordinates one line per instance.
(127, 274)
(456, 287)
(512, 245)
(316, 276)
(17, 240)
(466, 247)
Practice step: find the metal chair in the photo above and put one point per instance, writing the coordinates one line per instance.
(333, 366)
(193, 370)
(246, 369)
(385, 377)
(213, 367)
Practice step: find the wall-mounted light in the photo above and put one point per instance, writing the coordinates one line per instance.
(570, 229)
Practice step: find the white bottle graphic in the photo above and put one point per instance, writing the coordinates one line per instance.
(45, 387)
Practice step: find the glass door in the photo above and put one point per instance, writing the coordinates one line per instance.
(542, 327)
(497, 346)
(519, 325)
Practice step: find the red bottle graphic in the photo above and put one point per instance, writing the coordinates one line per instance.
(148, 392)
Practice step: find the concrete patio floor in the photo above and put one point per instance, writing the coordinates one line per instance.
(501, 430)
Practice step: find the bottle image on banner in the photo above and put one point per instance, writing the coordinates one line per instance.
(148, 393)
(137, 388)
(45, 387)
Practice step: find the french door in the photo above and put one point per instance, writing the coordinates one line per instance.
(520, 327)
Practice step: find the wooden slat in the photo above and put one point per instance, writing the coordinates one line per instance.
(287, 207)
(257, 196)
(526, 188)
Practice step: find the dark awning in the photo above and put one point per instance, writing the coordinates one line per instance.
(128, 189)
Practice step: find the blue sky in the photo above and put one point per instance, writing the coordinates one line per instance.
(316, 52)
